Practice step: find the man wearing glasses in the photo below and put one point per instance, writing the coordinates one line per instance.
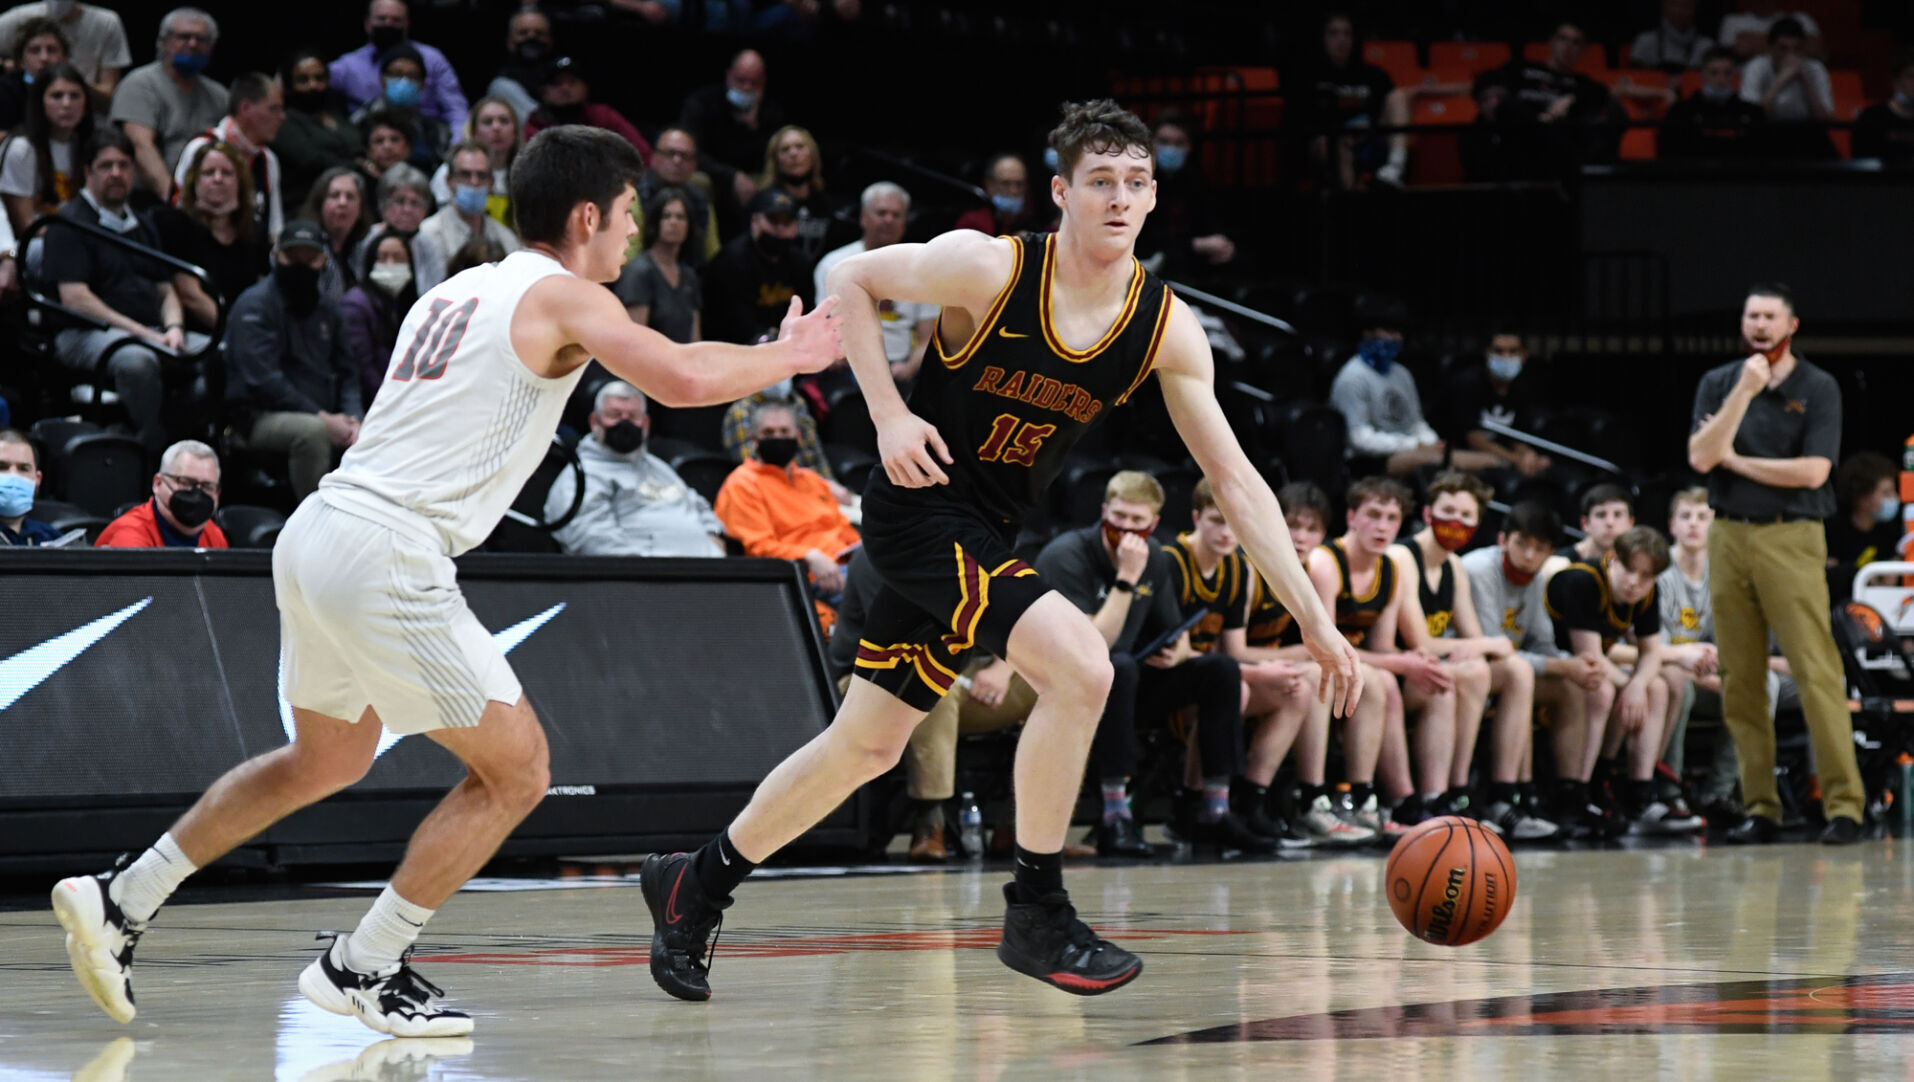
(674, 162)
(180, 514)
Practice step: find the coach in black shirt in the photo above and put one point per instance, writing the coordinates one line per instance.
(1767, 431)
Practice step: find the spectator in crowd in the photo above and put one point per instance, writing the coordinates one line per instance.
(94, 38)
(1542, 119)
(907, 325)
(293, 384)
(740, 437)
(39, 170)
(180, 514)
(475, 252)
(36, 47)
(1767, 434)
(635, 504)
(361, 75)
(372, 310)
(397, 105)
(213, 228)
(163, 104)
(674, 164)
(464, 217)
(1885, 130)
(316, 135)
(1012, 209)
(1509, 590)
(1794, 91)
(388, 143)
(256, 112)
(1112, 571)
(566, 99)
(1608, 510)
(1340, 92)
(132, 296)
(1594, 607)
(1746, 32)
(1377, 396)
(528, 51)
(779, 509)
(339, 204)
(658, 287)
(1713, 122)
(19, 486)
(1494, 392)
(405, 198)
(749, 286)
(794, 166)
(1866, 524)
(732, 120)
(1180, 235)
(1675, 44)
(493, 125)
(1691, 664)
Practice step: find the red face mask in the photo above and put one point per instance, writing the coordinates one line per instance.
(1452, 534)
(1515, 574)
(1774, 352)
(1113, 534)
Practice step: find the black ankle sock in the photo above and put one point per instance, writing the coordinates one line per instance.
(1640, 794)
(1038, 874)
(1571, 793)
(1607, 768)
(1503, 792)
(1306, 793)
(719, 867)
(1360, 792)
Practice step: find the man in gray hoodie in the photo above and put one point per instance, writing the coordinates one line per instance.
(635, 504)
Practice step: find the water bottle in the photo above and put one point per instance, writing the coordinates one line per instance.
(970, 827)
(1904, 796)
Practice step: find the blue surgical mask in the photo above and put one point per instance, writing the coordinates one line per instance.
(190, 64)
(27, 77)
(780, 389)
(1903, 99)
(16, 495)
(1007, 204)
(1379, 353)
(1889, 510)
(403, 93)
(1717, 94)
(1050, 158)
(1504, 367)
(741, 100)
(1171, 159)
(470, 199)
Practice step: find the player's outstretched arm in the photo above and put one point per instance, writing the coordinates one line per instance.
(961, 270)
(1187, 373)
(561, 312)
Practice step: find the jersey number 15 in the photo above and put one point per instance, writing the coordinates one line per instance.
(437, 340)
(1014, 440)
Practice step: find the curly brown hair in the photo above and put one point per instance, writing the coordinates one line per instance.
(1097, 127)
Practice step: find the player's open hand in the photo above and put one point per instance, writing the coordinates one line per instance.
(1341, 683)
(905, 444)
(817, 338)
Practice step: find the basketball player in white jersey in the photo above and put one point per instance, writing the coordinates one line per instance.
(374, 632)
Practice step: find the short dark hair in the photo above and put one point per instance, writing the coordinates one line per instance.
(1202, 498)
(1859, 475)
(1786, 27)
(1305, 496)
(1383, 489)
(1097, 127)
(1720, 52)
(565, 166)
(14, 435)
(1600, 494)
(476, 252)
(252, 88)
(107, 137)
(1456, 481)
(1532, 518)
(1641, 540)
(37, 27)
(1778, 290)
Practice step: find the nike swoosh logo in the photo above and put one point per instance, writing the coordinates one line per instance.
(507, 641)
(1006, 332)
(30, 668)
(721, 856)
(672, 916)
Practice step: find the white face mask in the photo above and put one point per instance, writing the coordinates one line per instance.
(391, 277)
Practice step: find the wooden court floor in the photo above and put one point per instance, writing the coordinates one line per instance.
(1685, 963)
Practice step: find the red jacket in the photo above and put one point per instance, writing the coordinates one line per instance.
(140, 529)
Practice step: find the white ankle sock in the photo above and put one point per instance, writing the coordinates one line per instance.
(146, 883)
(385, 933)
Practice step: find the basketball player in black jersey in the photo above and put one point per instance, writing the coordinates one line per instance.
(1040, 337)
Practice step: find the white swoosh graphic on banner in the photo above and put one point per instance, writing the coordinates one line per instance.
(29, 668)
(507, 640)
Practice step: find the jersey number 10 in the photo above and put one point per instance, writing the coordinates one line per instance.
(1014, 440)
(437, 340)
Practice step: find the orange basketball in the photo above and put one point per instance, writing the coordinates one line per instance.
(1450, 881)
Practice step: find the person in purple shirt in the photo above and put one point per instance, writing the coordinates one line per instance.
(355, 75)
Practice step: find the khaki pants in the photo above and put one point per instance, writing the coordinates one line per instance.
(303, 439)
(1774, 576)
(930, 759)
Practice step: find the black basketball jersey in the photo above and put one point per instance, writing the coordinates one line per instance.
(1221, 597)
(1014, 399)
(1438, 605)
(1270, 623)
(1356, 616)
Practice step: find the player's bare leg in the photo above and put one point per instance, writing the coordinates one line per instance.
(1511, 744)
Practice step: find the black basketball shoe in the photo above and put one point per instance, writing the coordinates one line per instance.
(684, 925)
(99, 939)
(1044, 939)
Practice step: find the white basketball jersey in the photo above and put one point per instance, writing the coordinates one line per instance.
(459, 423)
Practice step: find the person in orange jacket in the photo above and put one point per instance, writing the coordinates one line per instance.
(779, 509)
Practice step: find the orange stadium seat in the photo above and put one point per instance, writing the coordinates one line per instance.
(1476, 56)
(1849, 100)
(1394, 57)
(1438, 156)
(1594, 58)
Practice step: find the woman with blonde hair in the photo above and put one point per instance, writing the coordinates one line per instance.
(793, 164)
(494, 125)
(214, 229)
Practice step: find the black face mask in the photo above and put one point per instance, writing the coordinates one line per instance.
(772, 246)
(306, 101)
(300, 284)
(778, 451)
(384, 37)
(532, 52)
(624, 437)
(191, 506)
